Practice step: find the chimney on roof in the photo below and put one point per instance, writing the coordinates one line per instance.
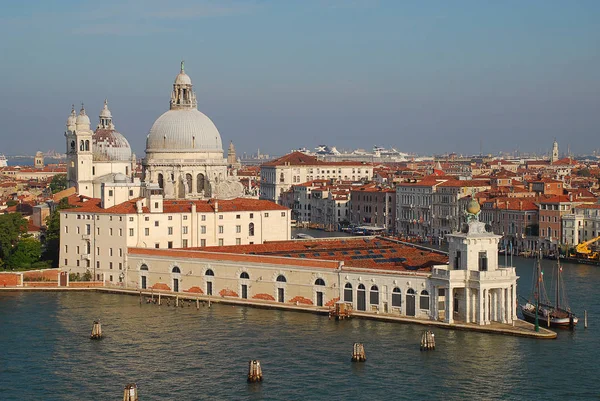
(193, 208)
(138, 206)
(216, 206)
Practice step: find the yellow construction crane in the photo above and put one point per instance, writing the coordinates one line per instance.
(583, 249)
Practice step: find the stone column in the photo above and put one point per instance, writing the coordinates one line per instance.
(503, 305)
(434, 307)
(467, 305)
(480, 294)
(514, 301)
(449, 306)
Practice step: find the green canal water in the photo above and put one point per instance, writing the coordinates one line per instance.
(188, 354)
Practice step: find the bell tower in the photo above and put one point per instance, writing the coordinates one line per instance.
(554, 156)
(79, 152)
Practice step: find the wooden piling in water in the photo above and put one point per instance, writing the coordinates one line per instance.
(585, 319)
(358, 353)
(427, 341)
(159, 299)
(254, 371)
(197, 303)
(96, 331)
(130, 393)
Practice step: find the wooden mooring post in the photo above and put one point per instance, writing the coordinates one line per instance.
(197, 303)
(427, 341)
(358, 353)
(159, 299)
(254, 371)
(130, 393)
(585, 319)
(96, 331)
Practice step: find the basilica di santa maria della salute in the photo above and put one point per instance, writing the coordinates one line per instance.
(184, 154)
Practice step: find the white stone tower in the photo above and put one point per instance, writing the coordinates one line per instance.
(554, 156)
(476, 289)
(79, 152)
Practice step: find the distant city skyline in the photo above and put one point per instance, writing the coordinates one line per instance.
(425, 77)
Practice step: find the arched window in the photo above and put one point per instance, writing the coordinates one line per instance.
(251, 229)
(87, 145)
(176, 270)
(424, 300)
(144, 268)
(209, 272)
(410, 291)
(281, 278)
(81, 145)
(396, 297)
(161, 182)
(200, 183)
(245, 275)
(320, 281)
(188, 181)
(374, 295)
(348, 292)
(72, 145)
(281, 178)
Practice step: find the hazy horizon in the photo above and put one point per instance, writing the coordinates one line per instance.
(424, 77)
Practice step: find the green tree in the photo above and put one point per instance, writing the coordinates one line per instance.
(51, 252)
(25, 253)
(58, 183)
(12, 227)
(584, 172)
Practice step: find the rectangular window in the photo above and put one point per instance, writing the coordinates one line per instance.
(98, 251)
(156, 205)
(120, 266)
(110, 192)
(111, 278)
(251, 215)
(120, 252)
(170, 217)
(131, 219)
(131, 232)
(185, 230)
(203, 218)
(202, 242)
(157, 245)
(77, 262)
(185, 217)
(483, 261)
(202, 229)
(78, 249)
(283, 214)
(220, 217)
(97, 264)
(147, 218)
(220, 241)
(131, 192)
(66, 249)
(88, 229)
(184, 243)
(146, 231)
(66, 262)
(266, 214)
(110, 265)
(120, 232)
(156, 223)
(98, 230)
(66, 229)
(170, 230)
(170, 244)
(238, 241)
(110, 253)
(220, 229)
(237, 216)
(238, 229)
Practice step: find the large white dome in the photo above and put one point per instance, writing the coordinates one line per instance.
(184, 130)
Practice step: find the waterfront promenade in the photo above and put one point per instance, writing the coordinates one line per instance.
(520, 328)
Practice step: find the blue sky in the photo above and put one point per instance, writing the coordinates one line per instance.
(423, 76)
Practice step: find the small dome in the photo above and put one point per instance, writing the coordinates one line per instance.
(183, 79)
(82, 119)
(72, 119)
(120, 177)
(110, 145)
(105, 112)
(183, 130)
(473, 206)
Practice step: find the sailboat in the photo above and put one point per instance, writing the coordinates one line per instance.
(548, 315)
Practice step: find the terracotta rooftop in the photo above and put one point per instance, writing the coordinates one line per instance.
(365, 252)
(93, 205)
(301, 159)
